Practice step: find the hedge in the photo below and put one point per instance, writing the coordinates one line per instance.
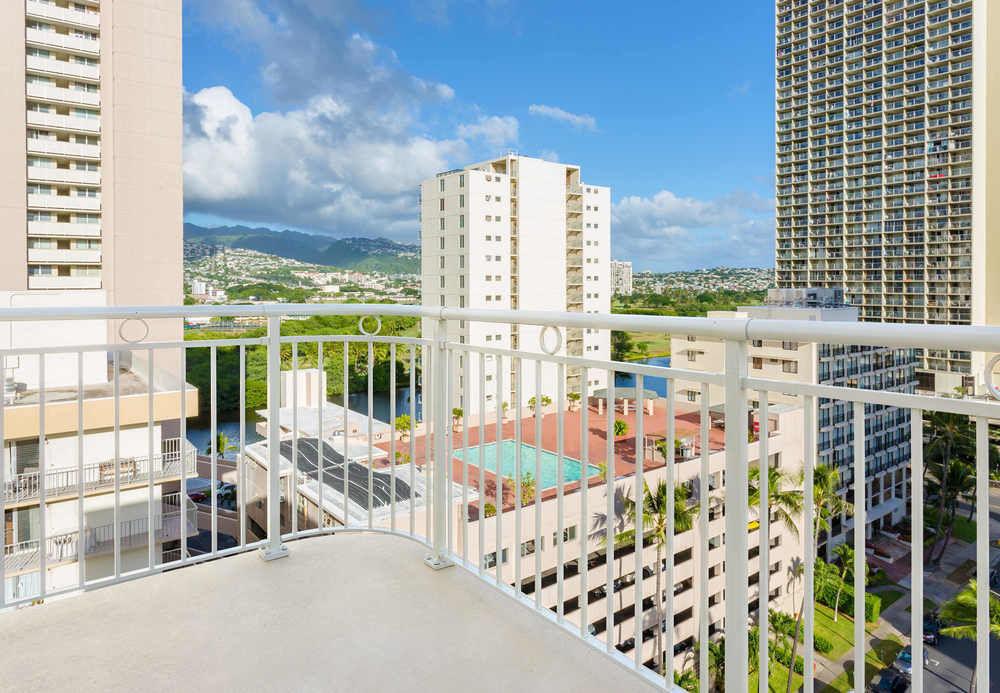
(781, 655)
(826, 584)
(821, 644)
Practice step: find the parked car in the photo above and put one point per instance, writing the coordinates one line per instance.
(889, 681)
(932, 628)
(904, 661)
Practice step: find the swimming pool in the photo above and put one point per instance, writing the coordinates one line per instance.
(549, 473)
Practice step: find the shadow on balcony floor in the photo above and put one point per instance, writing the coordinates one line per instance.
(343, 613)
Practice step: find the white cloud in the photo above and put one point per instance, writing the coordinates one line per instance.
(346, 144)
(741, 89)
(669, 232)
(496, 131)
(581, 121)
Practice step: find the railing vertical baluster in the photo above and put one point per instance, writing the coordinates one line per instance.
(463, 360)
(241, 498)
(181, 461)
(431, 432)
(582, 564)
(560, 481)
(42, 481)
(539, 414)
(439, 366)
(916, 555)
(498, 377)
(449, 442)
(371, 443)
(983, 615)
(639, 540)
(736, 515)
(293, 472)
(116, 368)
(482, 463)
(413, 442)
(3, 483)
(667, 617)
(860, 526)
(392, 436)
(213, 373)
(518, 558)
(81, 555)
(809, 604)
(150, 442)
(321, 455)
(609, 520)
(763, 541)
(702, 537)
(274, 549)
(346, 462)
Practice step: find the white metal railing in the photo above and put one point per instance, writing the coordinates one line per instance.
(101, 475)
(537, 500)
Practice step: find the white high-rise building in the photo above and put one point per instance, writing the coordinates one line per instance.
(91, 207)
(621, 277)
(888, 145)
(517, 233)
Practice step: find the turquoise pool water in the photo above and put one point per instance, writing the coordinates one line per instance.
(549, 473)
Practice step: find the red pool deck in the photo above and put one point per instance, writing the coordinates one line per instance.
(687, 427)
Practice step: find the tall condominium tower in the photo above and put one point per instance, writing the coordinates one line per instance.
(888, 144)
(621, 277)
(517, 233)
(91, 206)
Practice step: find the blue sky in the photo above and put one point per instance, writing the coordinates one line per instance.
(324, 115)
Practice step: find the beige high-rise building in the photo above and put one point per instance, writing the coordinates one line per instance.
(888, 145)
(91, 214)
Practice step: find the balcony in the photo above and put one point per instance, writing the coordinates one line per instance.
(63, 68)
(64, 256)
(70, 123)
(72, 176)
(63, 95)
(39, 145)
(68, 203)
(52, 39)
(62, 15)
(67, 229)
(452, 493)
(53, 281)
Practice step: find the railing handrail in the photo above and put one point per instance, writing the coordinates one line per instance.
(897, 335)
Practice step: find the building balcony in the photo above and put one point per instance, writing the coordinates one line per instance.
(48, 229)
(63, 256)
(69, 123)
(53, 281)
(99, 477)
(63, 95)
(39, 145)
(52, 39)
(62, 68)
(68, 203)
(34, 9)
(440, 537)
(72, 176)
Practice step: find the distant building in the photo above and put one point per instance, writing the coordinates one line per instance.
(621, 277)
(517, 233)
(870, 368)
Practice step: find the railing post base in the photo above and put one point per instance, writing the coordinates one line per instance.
(269, 553)
(437, 562)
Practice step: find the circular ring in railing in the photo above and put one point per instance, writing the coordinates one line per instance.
(121, 330)
(541, 340)
(365, 332)
(988, 377)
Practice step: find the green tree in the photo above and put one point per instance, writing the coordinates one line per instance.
(574, 399)
(533, 403)
(222, 445)
(404, 426)
(621, 428)
(456, 417)
(959, 613)
(784, 495)
(845, 554)
(528, 488)
(621, 345)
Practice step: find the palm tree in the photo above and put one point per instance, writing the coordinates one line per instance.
(573, 398)
(686, 680)
(957, 480)
(784, 496)
(621, 428)
(655, 524)
(717, 664)
(527, 488)
(222, 445)
(404, 425)
(845, 553)
(456, 417)
(960, 613)
(950, 437)
(796, 570)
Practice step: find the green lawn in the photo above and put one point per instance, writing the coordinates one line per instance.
(840, 633)
(657, 344)
(889, 597)
(965, 529)
(876, 659)
(779, 679)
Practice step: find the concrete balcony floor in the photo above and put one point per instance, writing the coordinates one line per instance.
(342, 613)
